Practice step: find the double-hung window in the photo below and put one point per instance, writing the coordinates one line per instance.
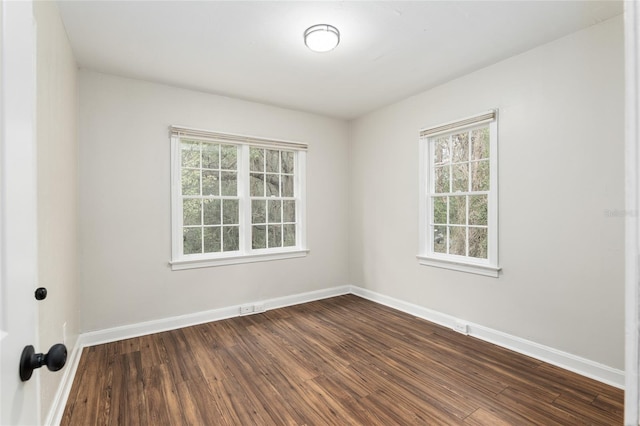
(459, 195)
(235, 199)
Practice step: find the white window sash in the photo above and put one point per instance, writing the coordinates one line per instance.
(245, 253)
(427, 255)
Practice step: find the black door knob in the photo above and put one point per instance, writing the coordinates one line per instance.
(41, 293)
(30, 360)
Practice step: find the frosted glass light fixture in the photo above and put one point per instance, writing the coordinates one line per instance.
(322, 37)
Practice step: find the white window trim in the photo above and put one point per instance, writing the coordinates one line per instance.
(426, 256)
(235, 259)
(179, 261)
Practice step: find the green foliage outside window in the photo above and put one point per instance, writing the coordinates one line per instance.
(461, 173)
(210, 207)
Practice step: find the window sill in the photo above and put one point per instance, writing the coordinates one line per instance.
(178, 265)
(472, 268)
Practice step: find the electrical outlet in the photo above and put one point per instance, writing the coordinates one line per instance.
(64, 333)
(258, 307)
(246, 309)
(461, 327)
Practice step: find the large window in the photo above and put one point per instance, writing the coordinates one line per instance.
(459, 197)
(235, 199)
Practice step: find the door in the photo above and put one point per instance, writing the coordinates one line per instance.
(19, 401)
(632, 224)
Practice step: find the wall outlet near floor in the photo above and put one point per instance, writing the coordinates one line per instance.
(461, 327)
(252, 309)
(246, 309)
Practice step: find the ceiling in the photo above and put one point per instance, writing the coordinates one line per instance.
(254, 50)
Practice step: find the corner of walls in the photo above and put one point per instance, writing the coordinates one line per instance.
(350, 204)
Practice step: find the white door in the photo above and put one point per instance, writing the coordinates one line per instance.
(632, 224)
(19, 401)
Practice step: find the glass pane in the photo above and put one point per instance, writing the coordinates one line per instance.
(258, 211)
(259, 237)
(230, 212)
(231, 238)
(190, 154)
(212, 239)
(210, 156)
(191, 212)
(287, 185)
(273, 161)
(229, 157)
(275, 235)
(461, 177)
(440, 239)
(289, 211)
(256, 159)
(442, 179)
(458, 210)
(289, 235)
(478, 210)
(273, 185)
(190, 182)
(478, 242)
(480, 175)
(275, 211)
(480, 143)
(287, 161)
(441, 154)
(440, 210)
(192, 240)
(229, 183)
(211, 212)
(210, 185)
(457, 240)
(460, 147)
(257, 185)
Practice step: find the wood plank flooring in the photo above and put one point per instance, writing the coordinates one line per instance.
(339, 361)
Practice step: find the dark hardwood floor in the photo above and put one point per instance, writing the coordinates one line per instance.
(339, 361)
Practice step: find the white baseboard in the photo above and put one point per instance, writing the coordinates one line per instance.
(156, 326)
(582, 366)
(62, 394)
(553, 356)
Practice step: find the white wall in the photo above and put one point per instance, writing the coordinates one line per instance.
(561, 150)
(57, 190)
(125, 203)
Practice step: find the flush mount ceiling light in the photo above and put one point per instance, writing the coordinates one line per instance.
(322, 37)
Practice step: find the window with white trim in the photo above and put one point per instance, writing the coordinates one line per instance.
(459, 196)
(235, 199)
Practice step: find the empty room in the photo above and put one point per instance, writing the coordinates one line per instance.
(318, 213)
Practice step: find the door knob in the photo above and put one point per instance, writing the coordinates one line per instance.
(30, 360)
